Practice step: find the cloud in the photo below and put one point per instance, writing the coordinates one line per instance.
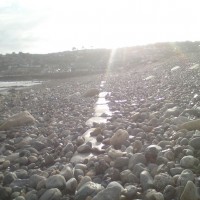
(56, 25)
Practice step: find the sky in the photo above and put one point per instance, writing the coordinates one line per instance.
(45, 26)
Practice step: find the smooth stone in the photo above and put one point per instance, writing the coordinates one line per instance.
(19, 198)
(121, 162)
(88, 189)
(5, 193)
(179, 120)
(184, 141)
(195, 143)
(135, 159)
(31, 195)
(55, 181)
(175, 111)
(68, 147)
(32, 159)
(38, 145)
(84, 148)
(169, 192)
(152, 194)
(185, 176)
(190, 192)
(19, 183)
(130, 191)
(23, 160)
(138, 168)
(113, 153)
(115, 184)
(35, 179)
(83, 180)
(51, 194)
(127, 176)
(21, 173)
(71, 185)
(146, 180)
(67, 172)
(9, 178)
(176, 170)
(151, 153)
(119, 138)
(191, 125)
(49, 159)
(91, 92)
(162, 180)
(6, 164)
(188, 162)
(112, 193)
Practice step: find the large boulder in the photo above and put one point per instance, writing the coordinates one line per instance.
(91, 92)
(20, 119)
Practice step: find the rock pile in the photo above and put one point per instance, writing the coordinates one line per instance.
(149, 148)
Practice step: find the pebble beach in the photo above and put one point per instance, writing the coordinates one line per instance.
(131, 135)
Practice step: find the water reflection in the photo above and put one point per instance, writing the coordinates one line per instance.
(5, 86)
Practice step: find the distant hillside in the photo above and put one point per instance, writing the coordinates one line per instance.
(93, 60)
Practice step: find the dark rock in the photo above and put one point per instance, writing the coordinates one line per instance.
(35, 179)
(9, 178)
(162, 180)
(21, 173)
(5, 193)
(88, 189)
(55, 181)
(84, 148)
(190, 192)
(31, 195)
(151, 153)
(135, 159)
(169, 192)
(146, 180)
(111, 193)
(195, 143)
(121, 162)
(51, 194)
(71, 185)
(186, 175)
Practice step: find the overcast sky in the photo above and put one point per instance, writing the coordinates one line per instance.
(43, 26)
